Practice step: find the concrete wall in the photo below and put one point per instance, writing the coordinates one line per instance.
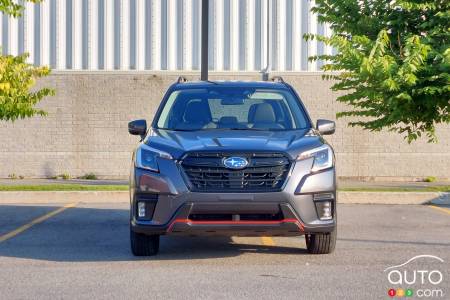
(86, 129)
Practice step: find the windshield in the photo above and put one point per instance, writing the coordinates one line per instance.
(215, 108)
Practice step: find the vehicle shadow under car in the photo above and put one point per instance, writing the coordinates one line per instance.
(102, 234)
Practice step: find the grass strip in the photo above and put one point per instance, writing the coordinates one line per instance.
(88, 187)
(63, 187)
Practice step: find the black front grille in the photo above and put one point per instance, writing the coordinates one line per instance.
(266, 172)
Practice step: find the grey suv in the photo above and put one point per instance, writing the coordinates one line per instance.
(232, 158)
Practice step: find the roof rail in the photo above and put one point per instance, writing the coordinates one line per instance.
(181, 79)
(278, 79)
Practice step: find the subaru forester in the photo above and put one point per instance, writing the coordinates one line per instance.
(232, 158)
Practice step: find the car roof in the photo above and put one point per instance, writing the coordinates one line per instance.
(231, 83)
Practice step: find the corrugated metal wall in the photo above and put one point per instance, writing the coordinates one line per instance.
(163, 35)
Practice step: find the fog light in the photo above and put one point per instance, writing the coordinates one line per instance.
(324, 210)
(141, 209)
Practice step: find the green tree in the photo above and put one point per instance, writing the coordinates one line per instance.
(392, 62)
(17, 78)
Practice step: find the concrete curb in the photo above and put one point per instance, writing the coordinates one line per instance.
(414, 198)
(47, 197)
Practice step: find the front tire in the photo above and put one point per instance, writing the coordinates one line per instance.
(321, 243)
(144, 245)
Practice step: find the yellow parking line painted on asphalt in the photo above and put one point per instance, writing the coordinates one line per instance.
(35, 221)
(443, 209)
(267, 241)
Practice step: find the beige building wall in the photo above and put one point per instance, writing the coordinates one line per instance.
(86, 129)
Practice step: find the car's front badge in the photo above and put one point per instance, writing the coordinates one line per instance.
(235, 162)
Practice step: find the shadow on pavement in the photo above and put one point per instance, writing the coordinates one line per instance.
(95, 234)
(393, 242)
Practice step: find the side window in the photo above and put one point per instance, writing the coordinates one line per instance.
(166, 113)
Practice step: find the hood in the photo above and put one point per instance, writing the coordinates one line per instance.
(177, 143)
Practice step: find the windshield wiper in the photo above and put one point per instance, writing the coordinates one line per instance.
(226, 128)
(179, 129)
(210, 129)
(255, 129)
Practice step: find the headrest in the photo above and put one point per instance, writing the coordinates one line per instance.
(197, 112)
(264, 114)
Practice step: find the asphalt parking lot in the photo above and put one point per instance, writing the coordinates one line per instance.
(81, 250)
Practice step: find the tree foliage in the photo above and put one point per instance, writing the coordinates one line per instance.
(392, 62)
(13, 7)
(17, 78)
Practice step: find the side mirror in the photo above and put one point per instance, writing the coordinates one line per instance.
(325, 126)
(138, 127)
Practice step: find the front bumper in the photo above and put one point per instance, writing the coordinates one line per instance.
(175, 204)
(181, 224)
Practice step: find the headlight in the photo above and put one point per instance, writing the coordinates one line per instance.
(323, 157)
(146, 157)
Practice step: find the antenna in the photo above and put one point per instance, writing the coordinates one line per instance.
(181, 79)
(278, 79)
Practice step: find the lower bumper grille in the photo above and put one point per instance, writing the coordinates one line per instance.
(236, 217)
(266, 172)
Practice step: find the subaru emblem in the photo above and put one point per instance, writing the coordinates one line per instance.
(235, 162)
